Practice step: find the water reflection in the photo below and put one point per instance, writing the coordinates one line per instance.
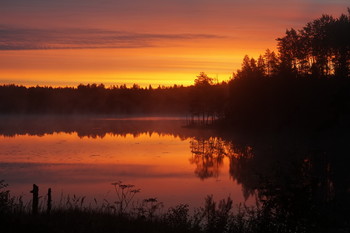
(302, 180)
(84, 158)
(208, 156)
(96, 127)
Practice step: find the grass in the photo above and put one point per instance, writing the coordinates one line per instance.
(124, 215)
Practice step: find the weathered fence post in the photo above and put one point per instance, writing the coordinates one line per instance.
(49, 201)
(35, 202)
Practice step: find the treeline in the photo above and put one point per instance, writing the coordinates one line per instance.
(305, 84)
(97, 99)
(91, 99)
(321, 49)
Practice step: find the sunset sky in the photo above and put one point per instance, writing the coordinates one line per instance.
(157, 42)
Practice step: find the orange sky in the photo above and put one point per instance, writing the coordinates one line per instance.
(157, 42)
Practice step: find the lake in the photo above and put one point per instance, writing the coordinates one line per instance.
(299, 178)
(83, 156)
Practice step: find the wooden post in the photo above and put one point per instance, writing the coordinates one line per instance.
(49, 201)
(35, 202)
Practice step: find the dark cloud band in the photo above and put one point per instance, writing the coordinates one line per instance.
(30, 39)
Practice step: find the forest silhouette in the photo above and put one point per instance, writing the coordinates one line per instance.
(305, 84)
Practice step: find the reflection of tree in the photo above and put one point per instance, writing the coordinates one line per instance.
(300, 183)
(304, 184)
(208, 155)
(239, 157)
(93, 126)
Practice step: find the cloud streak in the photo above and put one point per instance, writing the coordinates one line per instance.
(41, 39)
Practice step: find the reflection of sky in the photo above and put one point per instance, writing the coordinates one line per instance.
(147, 42)
(159, 165)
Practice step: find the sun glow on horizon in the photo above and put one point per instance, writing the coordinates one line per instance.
(114, 67)
(158, 43)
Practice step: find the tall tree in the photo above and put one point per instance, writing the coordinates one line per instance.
(271, 63)
(287, 47)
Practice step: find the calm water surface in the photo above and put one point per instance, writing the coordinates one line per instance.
(83, 157)
(300, 178)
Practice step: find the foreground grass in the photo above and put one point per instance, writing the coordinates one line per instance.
(176, 219)
(213, 217)
(74, 216)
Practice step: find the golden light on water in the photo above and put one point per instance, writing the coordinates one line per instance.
(158, 164)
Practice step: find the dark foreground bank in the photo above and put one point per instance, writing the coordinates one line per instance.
(149, 216)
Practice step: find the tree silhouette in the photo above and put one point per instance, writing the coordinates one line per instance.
(207, 100)
(321, 48)
(203, 80)
(271, 63)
